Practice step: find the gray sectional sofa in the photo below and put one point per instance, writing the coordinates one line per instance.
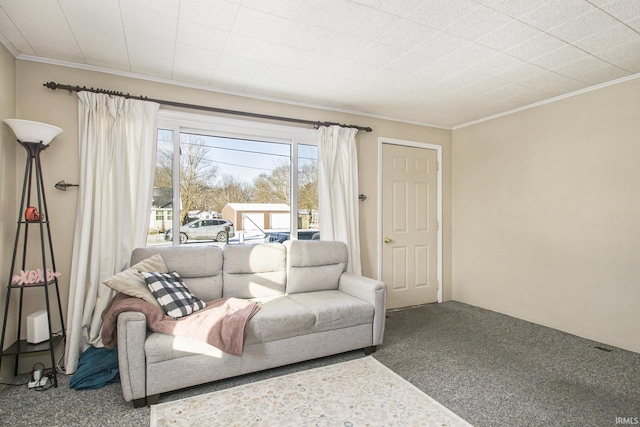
(309, 308)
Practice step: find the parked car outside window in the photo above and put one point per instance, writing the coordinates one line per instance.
(282, 236)
(204, 229)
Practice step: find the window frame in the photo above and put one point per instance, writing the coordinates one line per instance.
(202, 124)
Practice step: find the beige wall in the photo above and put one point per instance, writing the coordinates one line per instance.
(546, 215)
(36, 102)
(8, 209)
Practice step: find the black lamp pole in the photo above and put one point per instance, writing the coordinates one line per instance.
(33, 165)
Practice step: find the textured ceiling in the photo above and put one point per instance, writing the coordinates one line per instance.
(437, 62)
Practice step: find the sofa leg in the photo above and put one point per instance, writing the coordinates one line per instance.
(144, 401)
(369, 350)
(139, 403)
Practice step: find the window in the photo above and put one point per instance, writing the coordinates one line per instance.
(233, 181)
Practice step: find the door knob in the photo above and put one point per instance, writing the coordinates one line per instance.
(387, 240)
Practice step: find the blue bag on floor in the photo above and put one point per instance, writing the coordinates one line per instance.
(97, 367)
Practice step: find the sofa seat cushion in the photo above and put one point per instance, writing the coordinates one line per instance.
(161, 347)
(279, 318)
(335, 309)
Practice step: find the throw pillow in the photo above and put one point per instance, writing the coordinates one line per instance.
(131, 282)
(172, 294)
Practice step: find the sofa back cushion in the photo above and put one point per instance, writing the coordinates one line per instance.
(314, 265)
(252, 271)
(200, 267)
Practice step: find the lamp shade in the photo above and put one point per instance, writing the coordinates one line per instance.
(28, 131)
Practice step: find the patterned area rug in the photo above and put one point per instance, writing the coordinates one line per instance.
(360, 392)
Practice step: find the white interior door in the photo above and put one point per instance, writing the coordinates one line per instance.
(409, 225)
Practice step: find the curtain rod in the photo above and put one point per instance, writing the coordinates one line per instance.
(316, 124)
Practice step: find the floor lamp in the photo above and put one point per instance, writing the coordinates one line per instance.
(35, 138)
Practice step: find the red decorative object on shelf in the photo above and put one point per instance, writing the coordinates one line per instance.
(32, 214)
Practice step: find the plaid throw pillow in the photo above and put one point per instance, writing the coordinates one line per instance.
(172, 294)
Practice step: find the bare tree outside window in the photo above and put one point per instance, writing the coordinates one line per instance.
(273, 187)
(197, 174)
(232, 189)
(308, 187)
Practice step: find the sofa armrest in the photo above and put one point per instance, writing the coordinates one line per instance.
(132, 333)
(371, 291)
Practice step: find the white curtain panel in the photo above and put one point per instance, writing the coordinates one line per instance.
(117, 145)
(338, 190)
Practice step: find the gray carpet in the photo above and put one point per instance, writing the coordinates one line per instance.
(495, 370)
(491, 369)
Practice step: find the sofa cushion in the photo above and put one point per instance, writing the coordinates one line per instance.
(253, 271)
(314, 265)
(335, 309)
(279, 318)
(200, 267)
(162, 347)
(130, 281)
(172, 295)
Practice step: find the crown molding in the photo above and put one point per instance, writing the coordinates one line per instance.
(549, 101)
